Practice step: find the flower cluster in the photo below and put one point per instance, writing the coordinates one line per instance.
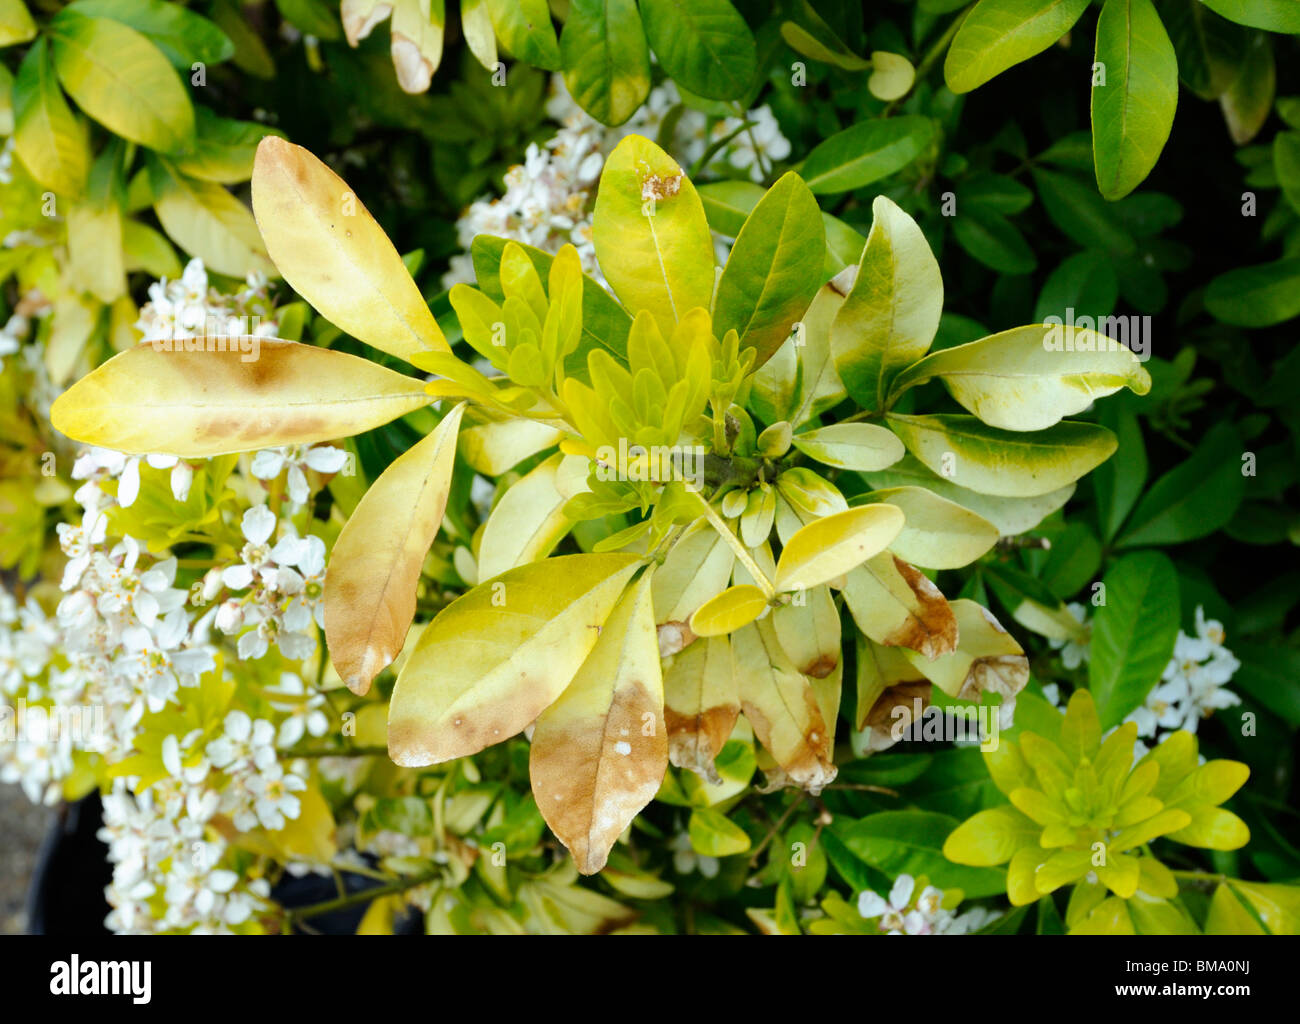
(281, 584)
(1193, 685)
(166, 857)
(909, 912)
(190, 305)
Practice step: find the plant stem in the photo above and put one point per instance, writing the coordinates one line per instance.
(760, 578)
(293, 755)
(295, 914)
(771, 833)
(931, 57)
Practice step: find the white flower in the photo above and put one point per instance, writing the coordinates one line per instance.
(269, 463)
(273, 795)
(908, 913)
(243, 742)
(303, 707)
(257, 525)
(77, 543)
(1193, 684)
(1075, 652)
(686, 860)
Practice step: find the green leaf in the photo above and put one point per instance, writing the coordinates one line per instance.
(1133, 111)
(524, 28)
(1133, 633)
(866, 152)
(607, 64)
(1271, 675)
(651, 236)
(1029, 378)
(1286, 164)
(993, 240)
(1249, 100)
(1075, 207)
(892, 312)
(183, 36)
(1194, 498)
(48, 137)
(1085, 283)
(1118, 482)
(1258, 296)
(727, 204)
(1002, 462)
(1270, 15)
(122, 80)
(16, 25)
(766, 286)
(605, 324)
(1210, 50)
(998, 34)
(713, 834)
(809, 35)
(224, 149)
(704, 45)
(315, 17)
(911, 842)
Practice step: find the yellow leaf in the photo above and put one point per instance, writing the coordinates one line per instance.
(526, 523)
(600, 751)
(696, 569)
(987, 659)
(701, 705)
(831, 546)
(652, 238)
(310, 836)
(887, 682)
(207, 222)
(937, 533)
(783, 708)
(492, 448)
(197, 404)
(896, 605)
(95, 250)
(417, 31)
(809, 631)
(375, 565)
(495, 658)
(730, 610)
(330, 250)
(892, 312)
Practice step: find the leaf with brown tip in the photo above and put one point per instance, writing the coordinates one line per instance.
(701, 705)
(332, 252)
(375, 565)
(896, 605)
(783, 708)
(204, 403)
(600, 751)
